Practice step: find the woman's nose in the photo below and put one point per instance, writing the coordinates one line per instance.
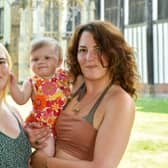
(90, 55)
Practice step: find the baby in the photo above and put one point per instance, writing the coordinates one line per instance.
(48, 88)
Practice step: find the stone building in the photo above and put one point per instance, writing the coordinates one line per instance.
(10, 29)
(28, 19)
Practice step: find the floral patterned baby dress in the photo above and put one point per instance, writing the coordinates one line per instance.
(49, 98)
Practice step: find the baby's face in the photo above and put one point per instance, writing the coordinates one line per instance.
(44, 61)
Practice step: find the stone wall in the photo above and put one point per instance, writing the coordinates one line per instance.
(14, 37)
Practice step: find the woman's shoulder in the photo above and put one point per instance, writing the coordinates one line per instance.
(119, 99)
(117, 92)
(15, 112)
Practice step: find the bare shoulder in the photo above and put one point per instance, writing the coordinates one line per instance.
(119, 101)
(15, 111)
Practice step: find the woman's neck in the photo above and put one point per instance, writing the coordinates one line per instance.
(96, 86)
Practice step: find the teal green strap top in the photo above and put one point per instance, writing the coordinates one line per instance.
(14, 152)
(90, 115)
(81, 91)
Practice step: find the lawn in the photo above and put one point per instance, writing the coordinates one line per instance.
(148, 146)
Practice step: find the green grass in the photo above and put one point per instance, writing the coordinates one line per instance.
(148, 146)
(153, 105)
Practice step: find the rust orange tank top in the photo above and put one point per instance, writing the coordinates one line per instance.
(76, 136)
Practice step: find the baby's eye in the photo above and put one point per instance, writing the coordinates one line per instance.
(47, 57)
(34, 59)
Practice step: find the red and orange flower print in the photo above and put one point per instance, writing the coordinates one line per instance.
(49, 98)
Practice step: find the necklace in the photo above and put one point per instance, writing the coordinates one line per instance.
(76, 108)
(78, 105)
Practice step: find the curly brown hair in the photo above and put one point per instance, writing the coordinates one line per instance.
(120, 55)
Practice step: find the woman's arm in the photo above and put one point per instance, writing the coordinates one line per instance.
(111, 141)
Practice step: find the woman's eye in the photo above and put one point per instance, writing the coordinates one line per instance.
(82, 50)
(3, 61)
(97, 50)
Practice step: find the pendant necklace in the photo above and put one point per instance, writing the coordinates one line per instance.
(76, 109)
(82, 92)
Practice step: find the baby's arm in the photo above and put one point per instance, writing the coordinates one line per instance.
(20, 95)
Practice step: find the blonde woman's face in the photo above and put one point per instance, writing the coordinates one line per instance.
(4, 70)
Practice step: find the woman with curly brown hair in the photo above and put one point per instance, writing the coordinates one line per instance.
(94, 128)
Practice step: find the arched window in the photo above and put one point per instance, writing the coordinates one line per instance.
(73, 16)
(51, 16)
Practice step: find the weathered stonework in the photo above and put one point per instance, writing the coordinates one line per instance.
(14, 37)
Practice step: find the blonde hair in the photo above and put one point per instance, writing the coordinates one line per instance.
(46, 41)
(3, 92)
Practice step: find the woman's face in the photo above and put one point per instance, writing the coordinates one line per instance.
(92, 62)
(4, 70)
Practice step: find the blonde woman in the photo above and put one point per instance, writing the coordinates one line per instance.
(15, 148)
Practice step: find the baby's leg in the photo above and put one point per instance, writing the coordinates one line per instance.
(50, 148)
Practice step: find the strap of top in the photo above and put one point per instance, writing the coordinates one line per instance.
(81, 90)
(82, 87)
(20, 126)
(90, 115)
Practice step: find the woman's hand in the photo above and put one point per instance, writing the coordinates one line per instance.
(37, 134)
(38, 160)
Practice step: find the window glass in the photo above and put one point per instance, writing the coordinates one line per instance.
(112, 11)
(136, 11)
(162, 9)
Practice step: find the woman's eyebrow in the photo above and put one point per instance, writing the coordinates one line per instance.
(2, 58)
(82, 46)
